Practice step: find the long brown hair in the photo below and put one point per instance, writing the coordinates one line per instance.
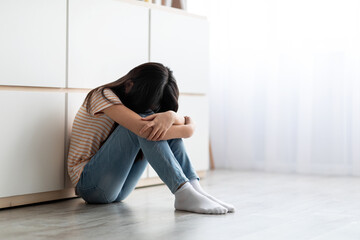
(154, 88)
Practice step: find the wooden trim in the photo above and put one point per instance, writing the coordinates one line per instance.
(36, 198)
(212, 163)
(42, 89)
(20, 200)
(65, 90)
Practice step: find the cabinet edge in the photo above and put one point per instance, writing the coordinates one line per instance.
(69, 90)
(7, 202)
(19, 200)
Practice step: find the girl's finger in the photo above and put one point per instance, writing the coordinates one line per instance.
(157, 136)
(152, 134)
(146, 127)
(162, 135)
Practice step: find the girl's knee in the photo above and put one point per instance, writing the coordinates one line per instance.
(175, 141)
(95, 196)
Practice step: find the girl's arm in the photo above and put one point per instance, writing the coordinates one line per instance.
(180, 131)
(168, 125)
(179, 120)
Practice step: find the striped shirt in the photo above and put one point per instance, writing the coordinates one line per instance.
(89, 131)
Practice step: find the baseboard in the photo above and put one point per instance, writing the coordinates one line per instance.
(36, 198)
(20, 200)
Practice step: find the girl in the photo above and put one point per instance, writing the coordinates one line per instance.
(123, 125)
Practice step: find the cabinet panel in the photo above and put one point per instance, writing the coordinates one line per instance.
(33, 42)
(31, 142)
(106, 39)
(196, 146)
(181, 43)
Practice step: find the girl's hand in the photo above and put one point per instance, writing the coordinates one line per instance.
(189, 122)
(160, 124)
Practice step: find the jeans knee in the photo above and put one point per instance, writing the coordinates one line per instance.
(95, 195)
(176, 143)
(175, 140)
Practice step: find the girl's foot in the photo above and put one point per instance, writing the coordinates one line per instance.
(196, 185)
(188, 199)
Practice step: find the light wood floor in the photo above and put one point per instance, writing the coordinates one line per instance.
(269, 206)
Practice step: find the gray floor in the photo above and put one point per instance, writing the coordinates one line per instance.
(269, 206)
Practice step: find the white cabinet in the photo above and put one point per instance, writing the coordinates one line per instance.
(31, 142)
(33, 42)
(89, 43)
(107, 38)
(181, 42)
(196, 146)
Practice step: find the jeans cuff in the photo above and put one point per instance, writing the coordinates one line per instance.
(194, 177)
(178, 183)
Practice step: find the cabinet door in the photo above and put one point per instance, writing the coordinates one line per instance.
(33, 42)
(106, 39)
(31, 142)
(196, 146)
(181, 43)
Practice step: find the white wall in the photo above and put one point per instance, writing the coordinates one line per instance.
(285, 84)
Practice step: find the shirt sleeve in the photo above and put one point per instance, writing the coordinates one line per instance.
(98, 103)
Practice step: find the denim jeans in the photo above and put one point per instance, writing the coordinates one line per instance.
(112, 173)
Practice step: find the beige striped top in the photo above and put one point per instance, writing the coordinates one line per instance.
(89, 131)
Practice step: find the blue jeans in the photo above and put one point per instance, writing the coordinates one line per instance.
(112, 173)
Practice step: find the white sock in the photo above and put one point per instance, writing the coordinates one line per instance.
(195, 183)
(188, 199)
